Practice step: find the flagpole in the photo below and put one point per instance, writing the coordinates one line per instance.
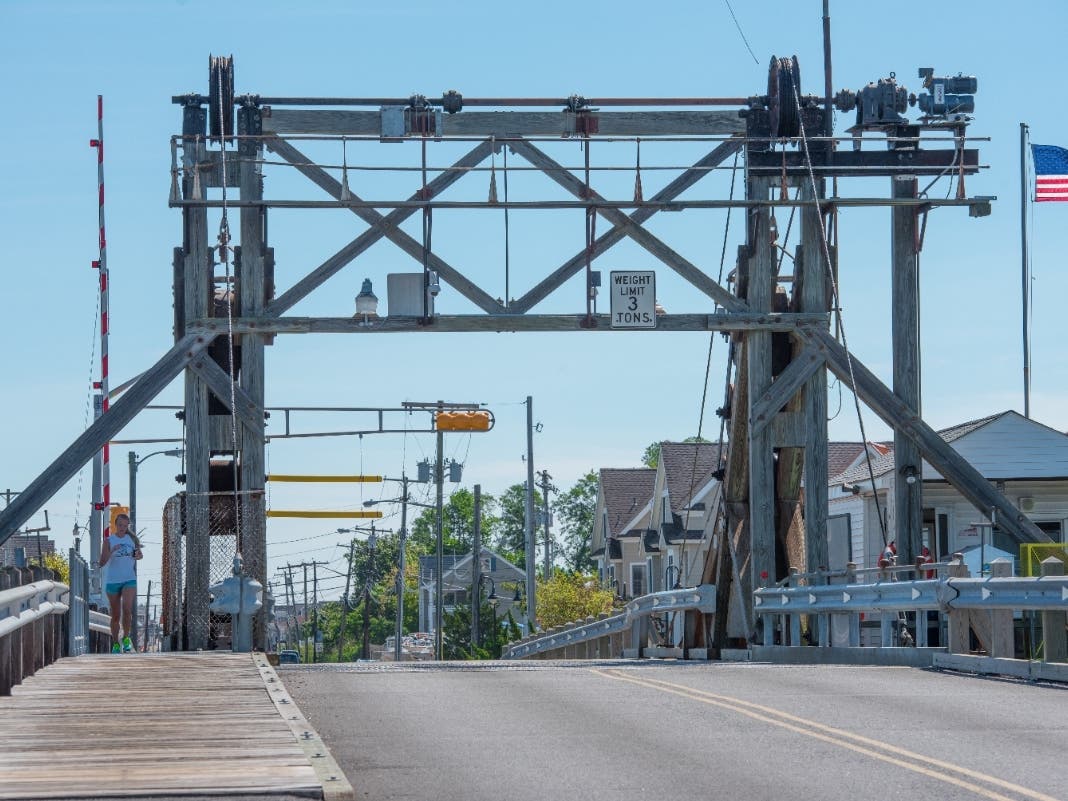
(1025, 294)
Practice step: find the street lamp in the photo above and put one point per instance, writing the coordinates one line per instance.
(492, 599)
(134, 463)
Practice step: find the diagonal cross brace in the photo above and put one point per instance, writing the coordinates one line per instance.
(620, 220)
(68, 463)
(248, 411)
(675, 188)
(382, 226)
(801, 369)
(939, 453)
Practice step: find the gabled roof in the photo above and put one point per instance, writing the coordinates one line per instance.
(958, 431)
(840, 455)
(625, 492)
(885, 463)
(688, 466)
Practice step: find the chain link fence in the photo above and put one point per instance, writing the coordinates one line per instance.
(201, 534)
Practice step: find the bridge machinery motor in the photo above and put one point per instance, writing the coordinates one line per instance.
(880, 106)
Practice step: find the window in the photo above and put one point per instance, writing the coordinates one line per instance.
(1053, 528)
(637, 579)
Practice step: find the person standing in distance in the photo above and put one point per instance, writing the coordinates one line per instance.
(118, 554)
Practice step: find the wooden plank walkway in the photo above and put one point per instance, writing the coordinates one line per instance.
(161, 726)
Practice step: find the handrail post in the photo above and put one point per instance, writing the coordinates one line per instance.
(1053, 623)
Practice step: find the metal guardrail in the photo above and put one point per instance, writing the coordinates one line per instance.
(947, 594)
(23, 605)
(970, 609)
(702, 598)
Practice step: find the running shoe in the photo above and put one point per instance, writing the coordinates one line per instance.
(127, 645)
(116, 648)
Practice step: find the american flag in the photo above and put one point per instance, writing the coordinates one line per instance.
(1051, 172)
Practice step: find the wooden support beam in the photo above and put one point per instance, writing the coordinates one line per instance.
(786, 384)
(390, 230)
(675, 188)
(652, 244)
(335, 263)
(67, 464)
(760, 297)
(905, 332)
(198, 286)
(942, 457)
(813, 296)
(512, 123)
(723, 321)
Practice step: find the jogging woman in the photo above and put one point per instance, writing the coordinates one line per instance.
(118, 553)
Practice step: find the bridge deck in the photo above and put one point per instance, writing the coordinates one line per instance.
(190, 726)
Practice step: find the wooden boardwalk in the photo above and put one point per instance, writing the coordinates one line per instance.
(161, 726)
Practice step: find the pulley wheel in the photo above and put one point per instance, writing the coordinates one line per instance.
(784, 82)
(221, 96)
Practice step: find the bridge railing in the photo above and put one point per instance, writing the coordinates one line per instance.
(975, 609)
(612, 636)
(42, 619)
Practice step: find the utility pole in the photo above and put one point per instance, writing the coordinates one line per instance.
(528, 524)
(305, 626)
(545, 487)
(345, 600)
(476, 567)
(399, 633)
(315, 611)
(439, 597)
(365, 650)
(148, 595)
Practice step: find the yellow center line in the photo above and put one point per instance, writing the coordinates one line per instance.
(838, 737)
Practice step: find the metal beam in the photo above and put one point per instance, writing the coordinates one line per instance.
(52, 479)
(942, 457)
(655, 246)
(863, 163)
(976, 204)
(248, 411)
(679, 185)
(389, 229)
(725, 321)
(788, 382)
(511, 123)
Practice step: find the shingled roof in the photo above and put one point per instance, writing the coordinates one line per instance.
(682, 473)
(885, 463)
(626, 491)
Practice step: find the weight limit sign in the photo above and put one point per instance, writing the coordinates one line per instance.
(633, 294)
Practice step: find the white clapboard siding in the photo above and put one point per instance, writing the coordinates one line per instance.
(1011, 446)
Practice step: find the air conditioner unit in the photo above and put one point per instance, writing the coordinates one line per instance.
(1027, 504)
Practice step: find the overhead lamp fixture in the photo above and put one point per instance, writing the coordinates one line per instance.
(366, 302)
(910, 473)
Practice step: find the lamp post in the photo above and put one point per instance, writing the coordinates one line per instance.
(134, 464)
(493, 600)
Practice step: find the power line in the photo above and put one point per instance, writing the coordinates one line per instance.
(741, 32)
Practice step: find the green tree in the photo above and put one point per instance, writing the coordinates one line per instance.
(568, 597)
(575, 509)
(510, 537)
(57, 563)
(457, 523)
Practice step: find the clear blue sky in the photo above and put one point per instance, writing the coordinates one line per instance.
(601, 399)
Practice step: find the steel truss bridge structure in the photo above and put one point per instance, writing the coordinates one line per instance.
(779, 325)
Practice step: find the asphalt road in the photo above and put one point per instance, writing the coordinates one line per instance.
(623, 730)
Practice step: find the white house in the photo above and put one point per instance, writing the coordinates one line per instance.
(685, 496)
(1024, 459)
